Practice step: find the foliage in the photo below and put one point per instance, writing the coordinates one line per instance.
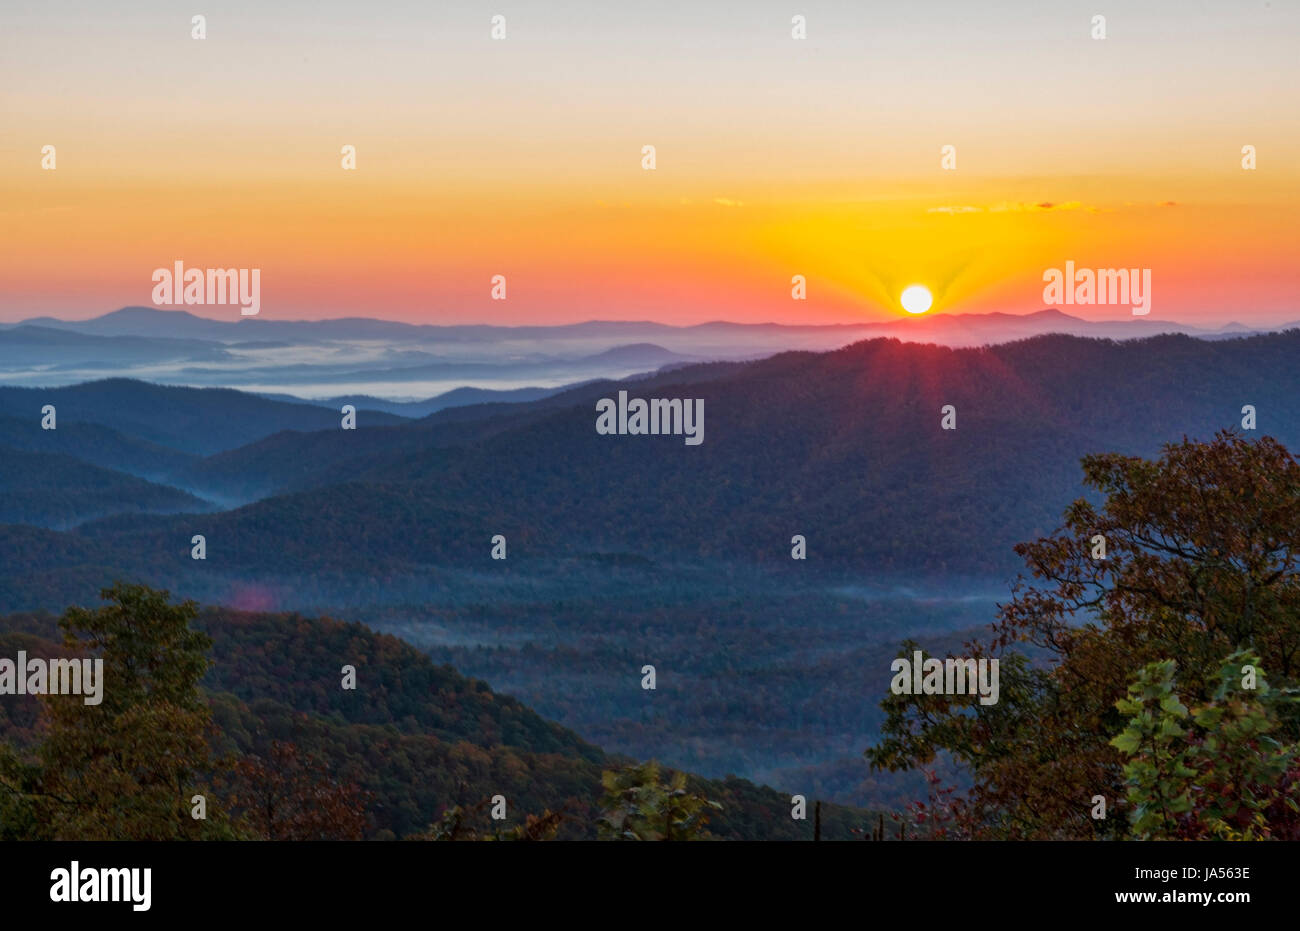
(638, 805)
(1216, 771)
(290, 754)
(945, 816)
(464, 824)
(1200, 560)
(127, 768)
(286, 796)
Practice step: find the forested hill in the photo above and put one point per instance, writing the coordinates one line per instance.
(190, 420)
(418, 737)
(845, 448)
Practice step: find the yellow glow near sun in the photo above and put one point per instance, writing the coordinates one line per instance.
(916, 299)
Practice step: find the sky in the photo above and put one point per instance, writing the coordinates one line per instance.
(775, 157)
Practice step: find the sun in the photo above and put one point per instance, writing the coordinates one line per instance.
(916, 299)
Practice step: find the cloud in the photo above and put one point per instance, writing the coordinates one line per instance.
(1040, 207)
(1045, 206)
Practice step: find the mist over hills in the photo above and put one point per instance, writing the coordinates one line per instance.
(60, 349)
(464, 740)
(457, 397)
(152, 322)
(358, 358)
(109, 448)
(632, 549)
(59, 491)
(200, 421)
(845, 447)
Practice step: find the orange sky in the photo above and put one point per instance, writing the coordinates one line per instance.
(775, 157)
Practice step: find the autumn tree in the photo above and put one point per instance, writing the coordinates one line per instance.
(21, 797)
(462, 823)
(639, 805)
(285, 795)
(1215, 771)
(1188, 557)
(128, 767)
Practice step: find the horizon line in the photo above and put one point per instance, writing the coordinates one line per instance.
(901, 320)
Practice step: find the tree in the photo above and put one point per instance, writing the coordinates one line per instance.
(639, 806)
(21, 798)
(463, 824)
(128, 767)
(1216, 771)
(1189, 557)
(284, 796)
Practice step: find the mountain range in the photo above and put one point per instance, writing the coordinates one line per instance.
(796, 440)
(358, 358)
(628, 549)
(947, 329)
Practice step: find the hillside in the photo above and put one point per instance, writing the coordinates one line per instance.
(201, 421)
(57, 491)
(419, 737)
(108, 448)
(844, 447)
(632, 549)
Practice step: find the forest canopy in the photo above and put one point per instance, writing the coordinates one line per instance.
(1165, 622)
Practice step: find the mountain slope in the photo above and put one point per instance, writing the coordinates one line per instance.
(844, 447)
(95, 444)
(295, 461)
(57, 491)
(418, 737)
(194, 420)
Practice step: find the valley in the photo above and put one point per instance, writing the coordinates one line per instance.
(622, 554)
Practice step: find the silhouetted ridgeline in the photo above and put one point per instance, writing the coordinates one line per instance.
(843, 447)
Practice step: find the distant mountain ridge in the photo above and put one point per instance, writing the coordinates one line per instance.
(201, 421)
(406, 368)
(845, 447)
(153, 322)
